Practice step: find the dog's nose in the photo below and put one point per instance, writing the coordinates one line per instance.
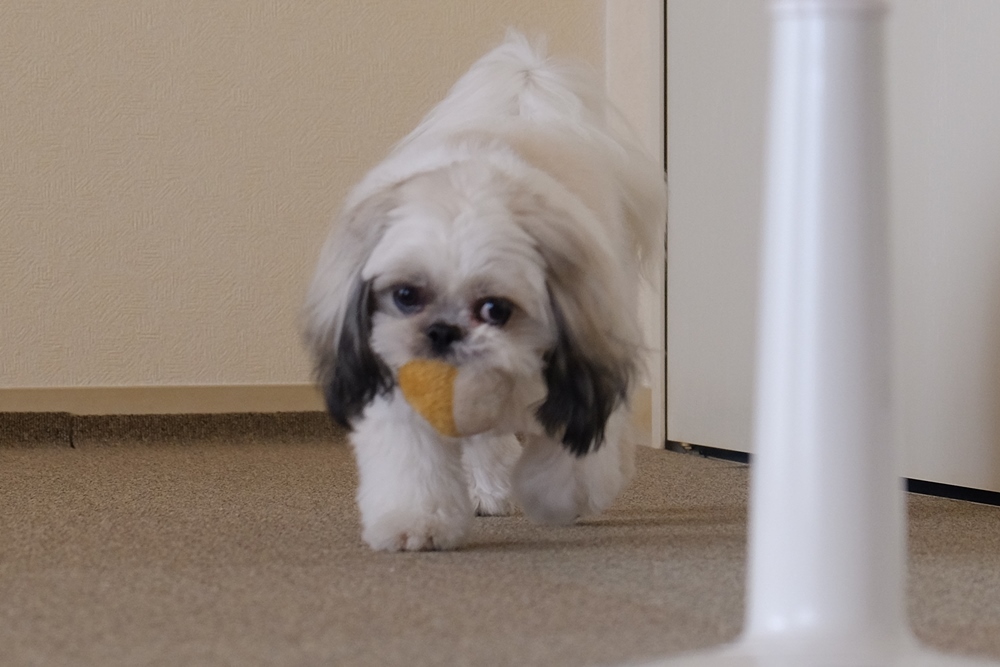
(442, 335)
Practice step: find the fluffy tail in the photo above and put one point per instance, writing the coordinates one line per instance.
(517, 79)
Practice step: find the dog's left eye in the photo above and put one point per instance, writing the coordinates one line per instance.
(493, 310)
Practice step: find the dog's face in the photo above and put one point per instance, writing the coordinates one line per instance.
(456, 278)
(461, 264)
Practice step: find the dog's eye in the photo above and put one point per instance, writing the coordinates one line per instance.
(408, 299)
(493, 310)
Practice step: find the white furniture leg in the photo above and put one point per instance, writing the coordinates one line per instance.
(827, 515)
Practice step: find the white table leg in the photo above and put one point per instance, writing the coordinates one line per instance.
(827, 514)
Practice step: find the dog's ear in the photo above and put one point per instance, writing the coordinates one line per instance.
(338, 312)
(583, 390)
(589, 369)
(352, 374)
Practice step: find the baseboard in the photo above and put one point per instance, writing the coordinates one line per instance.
(709, 452)
(923, 487)
(217, 399)
(195, 399)
(981, 496)
(28, 430)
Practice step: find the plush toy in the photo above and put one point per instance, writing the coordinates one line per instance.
(458, 401)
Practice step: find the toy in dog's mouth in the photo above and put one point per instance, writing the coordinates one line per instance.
(458, 401)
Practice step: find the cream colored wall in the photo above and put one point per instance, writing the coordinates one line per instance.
(169, 168)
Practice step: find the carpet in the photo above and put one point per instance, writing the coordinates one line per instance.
(229, 540)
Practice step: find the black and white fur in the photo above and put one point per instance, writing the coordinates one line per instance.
(504, 233)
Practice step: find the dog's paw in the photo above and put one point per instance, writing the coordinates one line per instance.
(553, 505)
(488, 461)
(488, 504)
(405, 531)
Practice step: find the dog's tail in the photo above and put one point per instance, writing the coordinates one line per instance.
(517, 79)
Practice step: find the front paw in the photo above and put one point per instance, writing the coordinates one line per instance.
(411, 531)
(488, 461)
(488, 504)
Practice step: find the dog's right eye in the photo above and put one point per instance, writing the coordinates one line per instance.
(408, 299)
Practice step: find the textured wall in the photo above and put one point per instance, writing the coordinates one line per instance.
(168, 168)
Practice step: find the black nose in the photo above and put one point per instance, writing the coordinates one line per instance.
(442, 335)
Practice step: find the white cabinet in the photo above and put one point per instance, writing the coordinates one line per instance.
(944, 129)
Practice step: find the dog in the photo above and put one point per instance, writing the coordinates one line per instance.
(508, 232)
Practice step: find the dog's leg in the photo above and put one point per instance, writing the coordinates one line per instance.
(554, 486)
(412, 493)
(488, 461)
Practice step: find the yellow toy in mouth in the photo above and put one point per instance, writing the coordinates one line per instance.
(456, 401)
(429, 387)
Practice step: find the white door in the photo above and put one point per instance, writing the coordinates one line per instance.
(944, 114)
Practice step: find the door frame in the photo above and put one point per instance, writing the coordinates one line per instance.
(635, 78)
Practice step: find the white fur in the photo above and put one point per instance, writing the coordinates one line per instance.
(520, 184)
(412, 490)
(488, 461)
(555, 487)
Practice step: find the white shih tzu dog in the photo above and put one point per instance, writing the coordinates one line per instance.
(504, 235)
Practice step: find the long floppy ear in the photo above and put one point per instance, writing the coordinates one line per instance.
(353, 375)
(592, 283)
(338, 312)
(583, 391)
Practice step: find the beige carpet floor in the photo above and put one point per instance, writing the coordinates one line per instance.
(146, 545)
